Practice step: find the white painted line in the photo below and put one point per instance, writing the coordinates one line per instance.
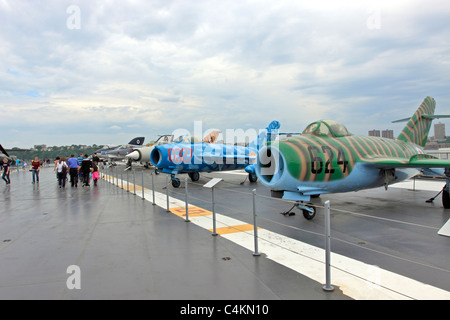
(445, 230)
(420, 184)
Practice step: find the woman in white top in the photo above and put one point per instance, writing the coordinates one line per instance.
(61, 170)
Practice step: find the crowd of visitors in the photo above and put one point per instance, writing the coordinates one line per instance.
(83, 168)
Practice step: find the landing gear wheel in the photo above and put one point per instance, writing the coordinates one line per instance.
(252, 177)
(194, 176)
(309, 215)
(175, 182)
(445, 198)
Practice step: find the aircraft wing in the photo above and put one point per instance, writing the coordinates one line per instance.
(168, 170)
(230, 158)
(418, 161)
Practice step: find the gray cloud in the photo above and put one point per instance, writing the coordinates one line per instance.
(150, 67)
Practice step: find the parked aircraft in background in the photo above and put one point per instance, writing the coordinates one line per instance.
(142, 155)
(326, 158)
(4, 154)
(112, 153)
(212, 137)
(191, 157)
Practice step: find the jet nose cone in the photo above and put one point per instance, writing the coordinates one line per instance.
(133, 155)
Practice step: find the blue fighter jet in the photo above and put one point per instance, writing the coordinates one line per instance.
(188, 156)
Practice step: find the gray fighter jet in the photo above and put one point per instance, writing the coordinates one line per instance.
(113, 153)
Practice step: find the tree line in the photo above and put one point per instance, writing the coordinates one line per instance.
(53, 152)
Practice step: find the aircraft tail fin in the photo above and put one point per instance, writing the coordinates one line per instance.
(418, 126)
(266, 135)
(138, 141)
(212, 136)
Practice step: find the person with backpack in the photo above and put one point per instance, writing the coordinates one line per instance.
(95, 174)
(61, 169)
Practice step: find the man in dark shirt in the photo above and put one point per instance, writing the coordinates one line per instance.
(95, 158)
(86, 166)
(5, 168)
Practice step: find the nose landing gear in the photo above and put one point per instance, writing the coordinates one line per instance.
(308, 210)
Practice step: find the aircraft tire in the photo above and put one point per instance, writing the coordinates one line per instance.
(252, 177)
(194, 176)
(175, 182)
(308, 215)
(445, 198)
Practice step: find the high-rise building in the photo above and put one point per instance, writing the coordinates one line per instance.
(374, 133)
(439, 131)
(388, 134)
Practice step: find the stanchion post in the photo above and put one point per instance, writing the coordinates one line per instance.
(121, 179)
(214, 212)
(128, 182)
(256, 253)
(153, 188)
(143, 197)
(186, 199)
(327, 286)
(134, 183)
(211, 185)
(167, 192)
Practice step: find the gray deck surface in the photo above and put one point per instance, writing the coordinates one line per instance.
(126, 248)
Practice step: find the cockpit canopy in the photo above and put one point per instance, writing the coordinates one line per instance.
(187, 139)
(328, 128)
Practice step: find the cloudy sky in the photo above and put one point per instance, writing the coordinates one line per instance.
(85, 72)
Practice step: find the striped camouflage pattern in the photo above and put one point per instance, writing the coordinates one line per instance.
(416, 131)
(320, 158)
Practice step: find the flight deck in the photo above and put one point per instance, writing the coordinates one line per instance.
(129, 242)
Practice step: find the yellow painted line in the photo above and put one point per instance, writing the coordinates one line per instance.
(192, 211)
(130, 187)
(234, 229)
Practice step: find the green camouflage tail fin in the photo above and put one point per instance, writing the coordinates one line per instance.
(418, 126)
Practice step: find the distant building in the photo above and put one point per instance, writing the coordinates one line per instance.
(431, 146)
(374, 133)
(439, 131)
(388, 134)
(385, 133)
